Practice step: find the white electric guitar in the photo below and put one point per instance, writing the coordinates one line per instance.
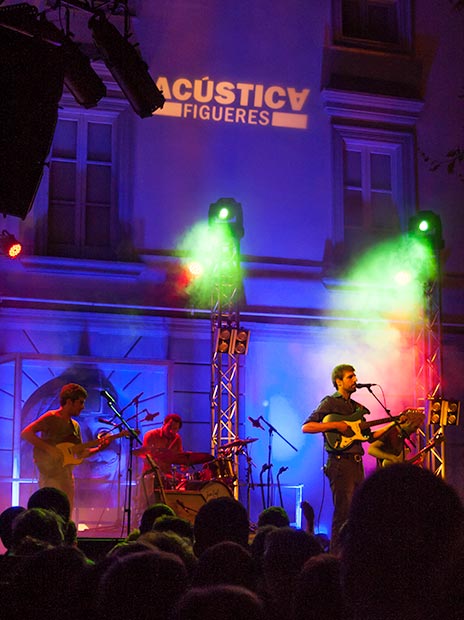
(72, 453)
(357, 428)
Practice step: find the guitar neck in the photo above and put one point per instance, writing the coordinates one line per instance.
(96, 442)
(379, 421)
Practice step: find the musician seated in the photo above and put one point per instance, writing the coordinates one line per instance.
(161, 443)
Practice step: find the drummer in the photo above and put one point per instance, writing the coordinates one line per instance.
(162, 443)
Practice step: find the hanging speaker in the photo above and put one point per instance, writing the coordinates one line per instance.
(31, 83)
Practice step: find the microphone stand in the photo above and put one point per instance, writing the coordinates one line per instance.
(272, 430)
(278, 487)
(261, 483)
(249, 479)
(133, 436)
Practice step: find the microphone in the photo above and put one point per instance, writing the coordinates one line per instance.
(256, 423)
(105, 421)
(136, 398)
(365, 385)
(107, 395)
(281, 470)
(265, 467)
(150, 416)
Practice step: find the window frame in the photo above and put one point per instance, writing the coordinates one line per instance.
(109, 111)
(400, 145)
(404, 26)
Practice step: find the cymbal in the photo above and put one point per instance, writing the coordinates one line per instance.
(239, 443)
(191, 458)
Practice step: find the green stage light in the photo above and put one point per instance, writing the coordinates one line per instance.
(426, 225)
(423, 226)
(223, 213)
(227, 213)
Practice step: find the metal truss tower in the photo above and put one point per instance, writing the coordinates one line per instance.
(224, 367)
(429, 372)
(428, 345)
(228, 340)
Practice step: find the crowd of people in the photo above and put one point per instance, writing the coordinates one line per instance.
(396, 548)
(401, 556)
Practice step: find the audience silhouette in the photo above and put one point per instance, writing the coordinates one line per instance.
(402, 557)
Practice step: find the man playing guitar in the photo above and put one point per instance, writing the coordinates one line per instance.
(57, 428)
(344, 465)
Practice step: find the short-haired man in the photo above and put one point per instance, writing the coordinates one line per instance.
(55, 427)
(159, 445)
(344, 467)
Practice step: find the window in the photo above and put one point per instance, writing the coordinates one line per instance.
(83, 198)
(373, 185)
(379, 24)
(82, 204)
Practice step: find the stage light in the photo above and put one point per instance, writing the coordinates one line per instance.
(195, 269)
(443, 412)
(234, 341)
(451, 410)
(225, 340)
(241, 341)
(434, 410)
(227, 212)
(9, 245)
(126, 66)
(426, 225)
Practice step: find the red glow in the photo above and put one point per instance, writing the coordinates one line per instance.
(15, 250)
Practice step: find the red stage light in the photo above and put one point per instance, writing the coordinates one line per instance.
(9, 245)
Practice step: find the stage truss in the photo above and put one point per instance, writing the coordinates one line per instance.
(428, 346)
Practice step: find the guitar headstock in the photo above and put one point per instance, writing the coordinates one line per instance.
(413, 417)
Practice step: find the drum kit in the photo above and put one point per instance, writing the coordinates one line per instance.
(179, 472)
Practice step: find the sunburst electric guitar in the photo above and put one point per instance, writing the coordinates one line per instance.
(357, 430)
(72, 453)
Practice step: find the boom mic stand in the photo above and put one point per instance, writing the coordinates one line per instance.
(272, 429)
(133, 436)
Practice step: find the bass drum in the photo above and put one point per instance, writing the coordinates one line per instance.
(209, 490)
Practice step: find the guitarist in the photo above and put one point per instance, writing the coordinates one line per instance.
(55, 427)
(392, 446)
(344, 469)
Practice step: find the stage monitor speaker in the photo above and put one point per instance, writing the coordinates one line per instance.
(185, 504)
(97, 548)
(31, 84)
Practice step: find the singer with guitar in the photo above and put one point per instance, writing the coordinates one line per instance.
(57, 441)
(344, 467)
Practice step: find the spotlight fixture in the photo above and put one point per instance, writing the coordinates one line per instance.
(9, 245)
(426, 225)
(233, 341)
(241, 341)
(227, 212)
(443, 412)
(126, 66)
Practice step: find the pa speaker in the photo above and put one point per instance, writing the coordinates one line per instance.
(96, 548)
(31, 84)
